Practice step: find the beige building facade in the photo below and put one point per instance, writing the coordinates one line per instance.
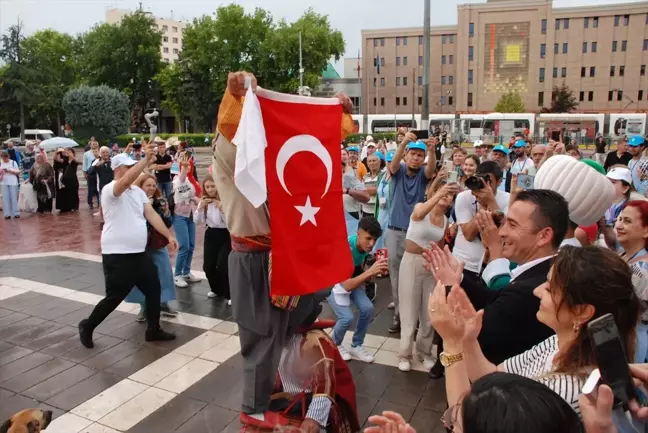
(172, 31)
(527, 46)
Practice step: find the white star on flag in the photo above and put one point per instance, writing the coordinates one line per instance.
(308, 212)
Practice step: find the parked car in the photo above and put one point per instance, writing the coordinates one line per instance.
(30, 134)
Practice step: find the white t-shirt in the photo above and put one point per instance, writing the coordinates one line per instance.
(124, 230)
(466, 207)
(9, 178)
(518, 166)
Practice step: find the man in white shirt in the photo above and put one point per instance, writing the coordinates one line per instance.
(521, 162)
(126, 264)
(468, 246)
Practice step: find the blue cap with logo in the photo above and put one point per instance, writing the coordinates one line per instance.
(352, 149)
(417, 145)
(380, 155)
(390, 156)
(500, 148)
(520, 143)
(636, 141)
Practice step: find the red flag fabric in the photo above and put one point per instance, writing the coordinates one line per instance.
(310, 251)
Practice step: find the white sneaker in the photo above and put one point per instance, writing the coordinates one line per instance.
(391, 306)
(229, 302)
(344, 352)
(361, 354)
(180, 282)
(428, 362)
(192, 278)
(404, 365)
(211, 295)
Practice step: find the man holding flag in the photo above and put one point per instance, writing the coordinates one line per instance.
(272, 279)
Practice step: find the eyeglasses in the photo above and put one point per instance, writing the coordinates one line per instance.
(449, 418)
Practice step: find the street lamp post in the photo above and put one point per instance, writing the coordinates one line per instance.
(425, 115)
(8, 130)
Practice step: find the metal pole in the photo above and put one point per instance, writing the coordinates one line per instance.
(413, 92)
(301, 66)
(425, 115)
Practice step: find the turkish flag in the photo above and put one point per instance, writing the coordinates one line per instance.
(310, 250)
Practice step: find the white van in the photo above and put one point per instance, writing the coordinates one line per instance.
(38, 134)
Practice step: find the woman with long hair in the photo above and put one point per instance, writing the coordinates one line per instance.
(375, 165)
(41, 177)
(67, 194)
(185, 203)
(631, 230)
(156, 246)
(469, 168)
(428, 224)
(583, 284)
(217, 244)
(383, 200)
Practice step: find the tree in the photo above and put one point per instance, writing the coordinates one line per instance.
(510, 102)
(125, 57)
(563, 100)
(170, 81)
(99, 111)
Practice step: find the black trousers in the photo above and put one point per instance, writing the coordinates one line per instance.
(216, 251)
(122, 273)
(93, 190)
(45, 205)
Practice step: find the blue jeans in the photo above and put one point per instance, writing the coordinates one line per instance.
(185, 231)
(162, 262)
(165, 188)
(641, 352)
(345, 317)
(10, 200)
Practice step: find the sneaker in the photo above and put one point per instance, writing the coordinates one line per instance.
(344, 352)
(85, 335)
(391, 306)
(165, 310)
(192, 278)
(180, 282)
(395, 326)
(141, 316)
(428, 362)
(229, 302)
(211, 294)
(361, 354)
(404, 365)
(437, 371)
(159, 335)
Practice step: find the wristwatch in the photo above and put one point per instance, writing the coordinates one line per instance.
(447, 359)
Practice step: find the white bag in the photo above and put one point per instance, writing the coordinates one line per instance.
(27, 201)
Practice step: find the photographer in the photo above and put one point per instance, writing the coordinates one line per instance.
(352, 290)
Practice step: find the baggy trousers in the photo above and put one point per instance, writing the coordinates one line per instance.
(395, 242)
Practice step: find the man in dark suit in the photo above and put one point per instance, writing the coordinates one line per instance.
(534, 228)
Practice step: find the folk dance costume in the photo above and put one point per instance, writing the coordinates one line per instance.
(264, 321)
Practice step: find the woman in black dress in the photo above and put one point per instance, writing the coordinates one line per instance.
(67, 192)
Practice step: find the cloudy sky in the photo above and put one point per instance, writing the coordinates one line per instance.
(349, 16)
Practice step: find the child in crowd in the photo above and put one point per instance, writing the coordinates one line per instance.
(185, 198)
(217, 245)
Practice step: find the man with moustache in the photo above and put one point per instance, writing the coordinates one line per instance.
(537, 155)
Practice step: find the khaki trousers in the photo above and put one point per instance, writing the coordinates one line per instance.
(415, 284)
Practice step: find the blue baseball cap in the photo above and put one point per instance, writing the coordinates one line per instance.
(417, 145)
(352, 149)
(520, 143)
(636, 141)
(380, 155)
(390, 156)
(500, 148)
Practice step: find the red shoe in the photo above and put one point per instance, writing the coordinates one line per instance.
(271, 420)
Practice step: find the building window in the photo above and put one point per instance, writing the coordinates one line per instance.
(642, 72)
(165, 28)
(165, 39)
(595, 22)
(610, 95)
(451, 39)
(616, 20)
(540, 99)
(450, 100)
(398, 101)
(470, 101)
(555, 72)
(443, 80)
(404, 40)
(563, 73)
(420, 40)
(175, 51)
(619, 95)
(470, 76)
(624, 45)
(398, 39)
(566, 24)
(645, 45)
(166, 60)
(543, 51)
(175, 40)
(556, 46)
(584, 47)
(382, 102)
(583, 72)
(405, 61)
(594, 46)
(382, 42)
(443, 39)
(420, 100)
(581, 96)
(397, 61)
(565, 46)
(420, 80)
(542, 75)
(405, 101)
(374, 102)
(420, 60)
(640, 95)
(443, 100)
(165, 50)
(443, 60)
(614, 46)
(626, 20)
(398, 81)
(646, 18)
(451, 80)
(471, 29)
(612, 69)
(382, 61)
(543, 27)
(375, 81)
(404, 81)
(557, 24)
(375, 42)
(174, 29)
(586, 22)
(590, 96)
(382, 82)
(621, 70)
(471, 53)
(592, 71)
(451, 59)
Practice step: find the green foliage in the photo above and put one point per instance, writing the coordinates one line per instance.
(563, 100)
(195, 140)
(355, 138)
(510, 102)
(99, 111)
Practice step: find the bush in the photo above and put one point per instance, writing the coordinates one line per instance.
(355, 138)
(195, 140)
(98, 111)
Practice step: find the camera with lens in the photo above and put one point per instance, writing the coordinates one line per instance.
(477, 182)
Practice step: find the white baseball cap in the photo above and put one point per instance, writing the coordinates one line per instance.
(478, 143)
(620, 173)
(122, 159)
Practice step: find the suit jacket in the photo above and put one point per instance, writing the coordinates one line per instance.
(510, 326)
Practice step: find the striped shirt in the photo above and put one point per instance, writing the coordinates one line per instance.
(294, 377)
(537, 363)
